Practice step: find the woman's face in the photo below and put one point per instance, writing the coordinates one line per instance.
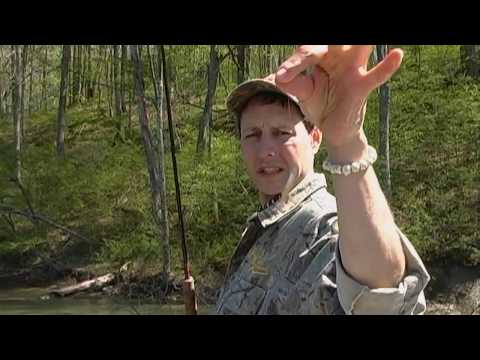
(275, 143)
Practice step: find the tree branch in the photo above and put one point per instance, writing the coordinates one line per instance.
(221, 56)
(8, 219)
(222, 80)
(234, 58)
(34, 217)
(24, 193)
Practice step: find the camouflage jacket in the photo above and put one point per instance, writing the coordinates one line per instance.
(288, 262)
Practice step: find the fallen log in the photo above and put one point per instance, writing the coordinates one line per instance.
(95, 284)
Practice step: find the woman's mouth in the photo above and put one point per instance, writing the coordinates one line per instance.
(269, 171)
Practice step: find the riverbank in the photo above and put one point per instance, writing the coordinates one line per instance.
(452, 291)
(128, 283)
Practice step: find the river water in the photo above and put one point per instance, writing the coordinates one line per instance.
(33, 301)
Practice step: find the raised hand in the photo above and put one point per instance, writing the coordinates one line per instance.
(334, 90)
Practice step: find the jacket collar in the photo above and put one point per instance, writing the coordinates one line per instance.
(279, 209)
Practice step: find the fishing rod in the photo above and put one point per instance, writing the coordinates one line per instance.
(189, 295)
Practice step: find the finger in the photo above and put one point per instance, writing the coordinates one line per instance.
(338, 49)
(304, 57)
(301, 86)
(336, 56)
(381, 73)
(312, 92)
(361, 54)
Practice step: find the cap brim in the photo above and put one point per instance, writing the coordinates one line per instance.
(245, 91)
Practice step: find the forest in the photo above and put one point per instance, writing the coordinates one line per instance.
(87, 183)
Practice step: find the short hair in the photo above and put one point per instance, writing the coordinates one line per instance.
(268, 98)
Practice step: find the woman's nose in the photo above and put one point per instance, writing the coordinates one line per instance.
(267, 147)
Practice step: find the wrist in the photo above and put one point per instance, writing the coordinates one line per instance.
(353, 150)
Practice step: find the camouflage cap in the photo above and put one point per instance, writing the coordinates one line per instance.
(239, 97)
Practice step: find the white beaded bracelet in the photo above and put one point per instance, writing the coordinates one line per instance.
(354, 167)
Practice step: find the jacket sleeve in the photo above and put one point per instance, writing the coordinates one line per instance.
(406, 299)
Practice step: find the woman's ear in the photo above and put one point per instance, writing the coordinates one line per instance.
(316, 139)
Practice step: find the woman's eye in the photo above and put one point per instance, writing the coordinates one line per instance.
(250, 135)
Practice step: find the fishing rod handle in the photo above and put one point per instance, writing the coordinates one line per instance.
(190, 297)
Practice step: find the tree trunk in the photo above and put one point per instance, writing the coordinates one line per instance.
(157, 78)
(470, 58)
(75, 73)
(248, 51)
(98, 76)
(109, 81)
(44, 79)
(100, 68)
(102, 58)
(241, 60)
(3, 88)
(206, 120)
(22, 89)
(62, 102)
(30, 88)
(11, 107)
(89, 89)
(384, 145)
(116, 86)
(123, 65)
(150, 153)
(69, 81)
(130, 101)
(160, 132)
(80, 72)
(16, 94)
(83, 61)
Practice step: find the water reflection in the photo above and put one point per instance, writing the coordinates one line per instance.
(32, 301)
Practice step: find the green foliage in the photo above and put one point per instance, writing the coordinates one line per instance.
(435, 160)
(98, 190)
